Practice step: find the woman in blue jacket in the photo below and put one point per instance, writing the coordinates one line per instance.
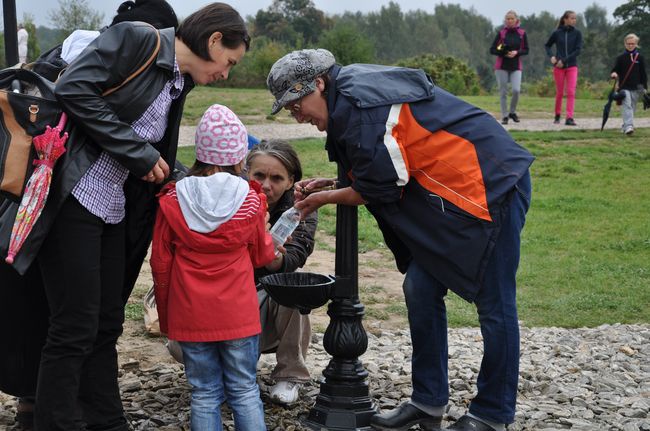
(568, 44)
(449, 188)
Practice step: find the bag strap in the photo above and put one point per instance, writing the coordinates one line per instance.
(502, 35)
(520, 32)
(629, 69)
(142, 68)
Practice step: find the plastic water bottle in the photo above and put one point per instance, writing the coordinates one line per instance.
(286, 224)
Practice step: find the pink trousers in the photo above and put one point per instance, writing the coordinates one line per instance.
(565, 78)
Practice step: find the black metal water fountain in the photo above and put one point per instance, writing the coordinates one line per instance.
(344, 401)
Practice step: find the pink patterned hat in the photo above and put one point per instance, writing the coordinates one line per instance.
(221, 138)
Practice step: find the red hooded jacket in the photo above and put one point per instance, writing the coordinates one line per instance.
(204, 283)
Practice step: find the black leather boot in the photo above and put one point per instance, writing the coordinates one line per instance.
(466, 423)
(404, 417)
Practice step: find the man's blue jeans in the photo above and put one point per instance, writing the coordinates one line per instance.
(497, 309)
(224, 371)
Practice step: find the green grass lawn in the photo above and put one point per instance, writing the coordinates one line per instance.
(542, 107)
(254, 105)
(586, 245)
(251, 105)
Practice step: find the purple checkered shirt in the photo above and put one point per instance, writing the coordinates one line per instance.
(101, 189)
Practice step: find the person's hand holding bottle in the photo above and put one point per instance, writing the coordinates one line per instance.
(311, 194)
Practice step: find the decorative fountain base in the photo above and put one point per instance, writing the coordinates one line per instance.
(344, 401)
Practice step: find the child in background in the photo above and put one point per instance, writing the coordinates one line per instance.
(210, 233)
(632, 78)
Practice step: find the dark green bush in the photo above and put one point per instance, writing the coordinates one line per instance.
(545, 87)
(256, 64)
(347, 44)
(450, 73)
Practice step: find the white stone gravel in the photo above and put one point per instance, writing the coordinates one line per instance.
(577, 379)
(262, 131)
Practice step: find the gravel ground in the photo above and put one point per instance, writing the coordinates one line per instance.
(301, 131)
(581, 379)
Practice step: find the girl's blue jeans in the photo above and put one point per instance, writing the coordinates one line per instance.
(497, 311)
(224, 371)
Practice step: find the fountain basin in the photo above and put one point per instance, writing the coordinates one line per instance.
(304, 291)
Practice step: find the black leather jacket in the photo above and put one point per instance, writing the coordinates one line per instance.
(103, 123)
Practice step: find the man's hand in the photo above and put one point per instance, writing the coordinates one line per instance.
(315, 200)
(310, 203)
(304, 188)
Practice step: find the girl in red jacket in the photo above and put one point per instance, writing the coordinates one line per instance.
(210, 233)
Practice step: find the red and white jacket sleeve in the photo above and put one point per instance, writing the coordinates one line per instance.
(162, 254)
(261, 249)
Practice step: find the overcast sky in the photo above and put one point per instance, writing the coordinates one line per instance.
(492, 9)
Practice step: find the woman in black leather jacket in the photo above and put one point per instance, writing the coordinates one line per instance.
(95, 213)
(23, 307)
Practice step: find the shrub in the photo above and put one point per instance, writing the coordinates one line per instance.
(256, 64)
(545, 87)
(347, 44)
(447, 72)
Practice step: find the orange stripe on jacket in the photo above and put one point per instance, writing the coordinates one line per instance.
(443, 163)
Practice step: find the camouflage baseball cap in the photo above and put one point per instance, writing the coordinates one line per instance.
(293, 76)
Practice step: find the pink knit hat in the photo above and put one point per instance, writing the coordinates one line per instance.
(221, 138)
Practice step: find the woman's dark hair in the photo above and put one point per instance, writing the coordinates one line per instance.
(281, 150)
(201, 169)
(158, 13)
(565, 15)
(196, 29)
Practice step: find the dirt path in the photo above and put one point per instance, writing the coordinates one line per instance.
(380, 285)
(301, 131)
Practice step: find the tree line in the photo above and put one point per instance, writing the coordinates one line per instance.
(390, 35)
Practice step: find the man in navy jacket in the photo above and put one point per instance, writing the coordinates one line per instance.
(449, 189)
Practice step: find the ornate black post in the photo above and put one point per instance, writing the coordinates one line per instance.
(11, 29)
(344, 402)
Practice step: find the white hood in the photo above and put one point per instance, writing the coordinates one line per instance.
(75, 43)
(208, 202)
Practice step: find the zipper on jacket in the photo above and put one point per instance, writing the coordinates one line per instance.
(566, 46)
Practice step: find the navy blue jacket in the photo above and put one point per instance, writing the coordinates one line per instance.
(437, 172)
(568, 44)
(637, 73)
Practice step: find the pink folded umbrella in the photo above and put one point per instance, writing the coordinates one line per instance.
(49, 146)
